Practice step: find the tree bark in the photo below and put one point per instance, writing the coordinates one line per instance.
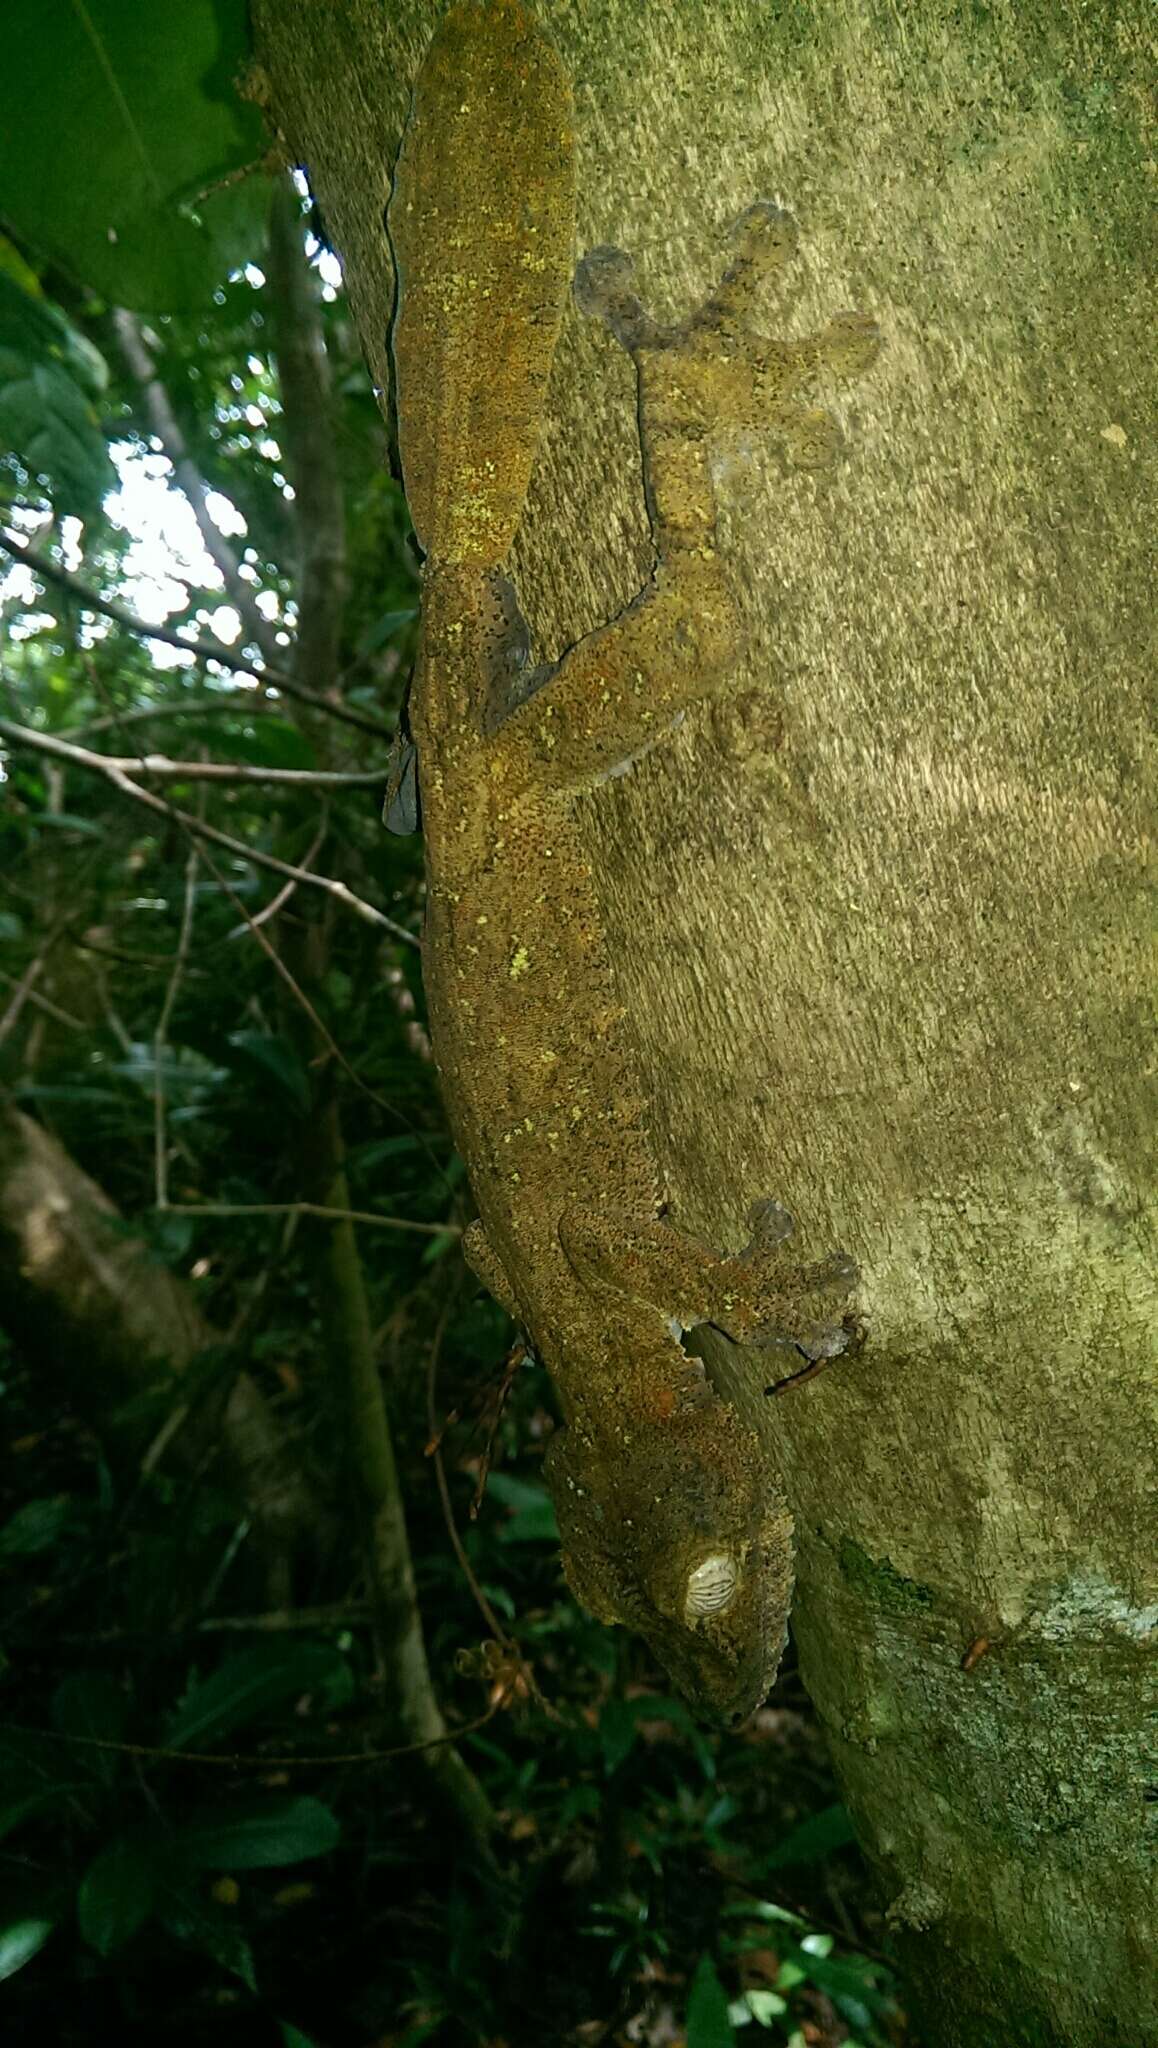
(881, 919)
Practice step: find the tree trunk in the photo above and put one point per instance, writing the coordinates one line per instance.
(880, 919)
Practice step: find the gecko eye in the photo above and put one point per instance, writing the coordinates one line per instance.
(711, 1585)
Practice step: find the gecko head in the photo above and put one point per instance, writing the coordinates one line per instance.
(678, 1532)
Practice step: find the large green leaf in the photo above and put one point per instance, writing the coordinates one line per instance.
(49, 376)
(19, 1942)
(708, 2025)
(35, 1527)
(813, 1840)
(248, 1685)
(117, 118)
(116, 1894)
(260, 1834)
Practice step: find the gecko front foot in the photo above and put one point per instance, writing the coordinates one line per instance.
(753, 1296)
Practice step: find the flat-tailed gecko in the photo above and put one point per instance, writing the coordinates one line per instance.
(671, 1522)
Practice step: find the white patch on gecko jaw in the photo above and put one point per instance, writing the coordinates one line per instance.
(711, 1585)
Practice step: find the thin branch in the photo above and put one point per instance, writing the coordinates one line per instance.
(40, 1002)
(311, 1209)
(278, 902)
(160, 1036)
(204, 650)
(499, 1634)
(300, 997)
(166, 770)
(31, 974)
(83, 757)
(163, 423)
(260, 1763)
(276, 1621)
(239, 706)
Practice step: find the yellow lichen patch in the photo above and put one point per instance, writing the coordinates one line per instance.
(520, 963)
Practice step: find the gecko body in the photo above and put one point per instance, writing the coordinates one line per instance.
(669, 1518)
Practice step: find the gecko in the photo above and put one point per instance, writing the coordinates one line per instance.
(670, 1521)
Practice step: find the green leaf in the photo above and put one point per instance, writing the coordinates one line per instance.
(849, 1981)
(20, 1810)
(260, 1834)
(292, 2037)
(267, 742)
(437, 1247)
(761, 2006)
(116, 1894)
(35, 1527)
(278, 1058)
(763, 1909)
(20, 1940)
(248, 1685)
(49, 376)
(532, 1515)
(115, 119)
(385, 628)
(203, 1925)
(619, 1724)
(813, 1840)
(90, 1703)
(708, 2025)
(68, 821)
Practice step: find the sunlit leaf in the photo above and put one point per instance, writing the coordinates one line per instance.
(20, 1940)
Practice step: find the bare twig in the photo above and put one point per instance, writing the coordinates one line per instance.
(312, 1209)
(83, 757)
(163, 423)
(283, 895)
(259, 1763)
(160, 1036)
(300, 997)
(163, 769)
(498, 1632)
(203, 649)
(40, 1002)
(238, 705)
(31, 974)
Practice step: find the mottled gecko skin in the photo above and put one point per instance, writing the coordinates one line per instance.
(670, 1521)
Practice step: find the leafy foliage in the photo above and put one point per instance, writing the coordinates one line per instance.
(51, 380)
(147, 102)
